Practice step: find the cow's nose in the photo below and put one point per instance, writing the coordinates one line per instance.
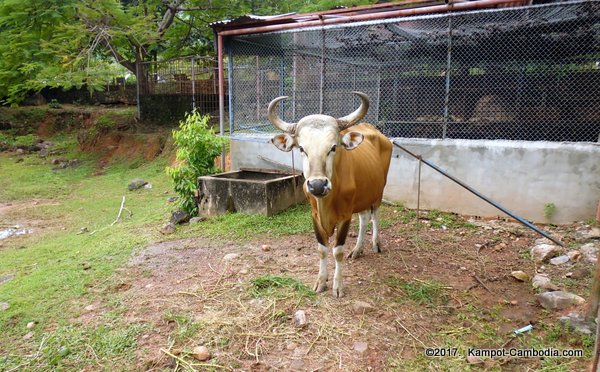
(317, 187)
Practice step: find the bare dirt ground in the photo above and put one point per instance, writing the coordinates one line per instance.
(192, 296)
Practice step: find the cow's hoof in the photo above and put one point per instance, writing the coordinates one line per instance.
(377, 247)
(320, 287)
(338, 292)
(354, 254)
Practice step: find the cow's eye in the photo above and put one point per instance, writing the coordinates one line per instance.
(301, 149)
(332, 149)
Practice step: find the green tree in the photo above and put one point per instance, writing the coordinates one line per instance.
(66, 43)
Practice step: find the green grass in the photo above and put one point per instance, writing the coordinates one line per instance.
(51, 285)
(428, 293)
(186, 326)
(245, 227)
(440, 219)
(279, 287)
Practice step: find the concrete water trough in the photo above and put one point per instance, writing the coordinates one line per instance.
(249, 191)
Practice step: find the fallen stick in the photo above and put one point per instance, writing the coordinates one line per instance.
(116, 220)
(120, 211)
(192, 365)
(484, 245)
(411, 335)
(483, 285)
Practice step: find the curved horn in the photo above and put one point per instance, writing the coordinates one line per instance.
(276, 120)
(356, 116)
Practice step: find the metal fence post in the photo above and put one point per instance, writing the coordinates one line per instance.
(322, 81)
(448, 67)
(221, 94)
(230, 83)
(193, 86)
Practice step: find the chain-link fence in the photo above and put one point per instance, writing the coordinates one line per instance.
(169, 89)
(526, 73)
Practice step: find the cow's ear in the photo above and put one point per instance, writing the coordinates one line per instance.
(283, 142)
(351, 140)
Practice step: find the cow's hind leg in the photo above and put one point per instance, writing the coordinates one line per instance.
(363, 218)
(375, 220)
(338, 254)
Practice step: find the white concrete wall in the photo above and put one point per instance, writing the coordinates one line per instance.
(522, 176)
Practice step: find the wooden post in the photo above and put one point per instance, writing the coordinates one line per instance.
(595, 297)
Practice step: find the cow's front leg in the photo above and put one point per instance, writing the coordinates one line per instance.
(321, 284)
(338, 254)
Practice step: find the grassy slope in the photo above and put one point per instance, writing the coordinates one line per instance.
(50, 279)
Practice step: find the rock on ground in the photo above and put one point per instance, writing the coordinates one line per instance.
(230, 256)
(590, 252)
(520, 276)
(544, 252)
(168, 229)
(559, 260)
(581, 273)
(179, 217)
(574, 255)
(558, 300)
(361, 307)
(300, 318)
(593, 233)
(6, 278)
(201, 353)
(544, 282)
(360, 346)
(578, 323)
(136, 184)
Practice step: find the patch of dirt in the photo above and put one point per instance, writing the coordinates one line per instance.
(18, 213)
(117, 145)
(478, 301)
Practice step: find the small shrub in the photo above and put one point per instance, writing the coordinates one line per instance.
(104, 123)
(549, 210)
(25, 141)
(197, 147)
(54, 104)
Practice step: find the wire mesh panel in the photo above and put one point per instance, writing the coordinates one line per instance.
(526, 73)
(169, 89)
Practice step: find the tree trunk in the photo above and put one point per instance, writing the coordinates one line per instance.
(141, 72)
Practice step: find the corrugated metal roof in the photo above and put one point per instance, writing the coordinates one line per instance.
(249, 18)
(337, 12)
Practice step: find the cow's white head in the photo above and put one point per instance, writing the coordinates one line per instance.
(318, 137)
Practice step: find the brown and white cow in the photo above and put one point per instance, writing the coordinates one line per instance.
(345, 166)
